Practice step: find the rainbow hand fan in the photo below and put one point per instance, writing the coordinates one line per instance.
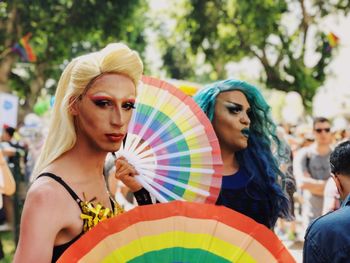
(178, 232)
(172, 145)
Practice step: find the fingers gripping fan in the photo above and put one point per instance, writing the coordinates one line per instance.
(179, 232)
(172, 145)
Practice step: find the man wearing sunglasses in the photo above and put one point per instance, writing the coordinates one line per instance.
(328, 239)
(312, 169)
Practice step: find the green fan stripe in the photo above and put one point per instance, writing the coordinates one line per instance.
(171, 132)
(178, 255)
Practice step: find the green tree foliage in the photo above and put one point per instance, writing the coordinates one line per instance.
(61, 30)
(229, 30)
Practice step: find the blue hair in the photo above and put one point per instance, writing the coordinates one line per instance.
(257, 158)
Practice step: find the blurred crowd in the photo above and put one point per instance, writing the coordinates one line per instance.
(315, 193)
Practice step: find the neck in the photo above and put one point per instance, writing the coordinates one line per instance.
(322, 148)
(230, 162)
(86, 160)
(345, 186)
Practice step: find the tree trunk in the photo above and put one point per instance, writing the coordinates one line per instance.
(5, 69)
(36, 86)
(7, 58)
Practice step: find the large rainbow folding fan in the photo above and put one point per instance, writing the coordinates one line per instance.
(172, 145)
(178, 232)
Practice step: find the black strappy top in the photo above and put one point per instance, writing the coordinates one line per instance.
(58, 250)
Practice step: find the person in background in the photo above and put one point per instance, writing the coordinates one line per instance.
(331, 197)
(312, 170)
(11, 150)
(6, 143)
(33, 133)
(327, 239)
(7, 135)
(341, 129)
(94, 101)
(7, 182)
(7, 187)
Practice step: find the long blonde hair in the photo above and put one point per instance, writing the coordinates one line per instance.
(114, 58)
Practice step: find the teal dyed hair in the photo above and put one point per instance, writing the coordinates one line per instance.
(257, 158)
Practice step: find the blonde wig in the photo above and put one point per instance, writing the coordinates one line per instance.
(77, 76)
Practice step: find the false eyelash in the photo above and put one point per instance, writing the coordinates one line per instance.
(101, 103)
(234, 108)
(131, 105)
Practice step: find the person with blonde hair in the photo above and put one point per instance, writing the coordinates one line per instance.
(93, 106)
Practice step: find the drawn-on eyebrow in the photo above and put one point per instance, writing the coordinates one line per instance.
(99, 97)
(233, 104)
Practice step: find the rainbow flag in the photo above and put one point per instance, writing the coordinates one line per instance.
(24, 49)
(333, 40)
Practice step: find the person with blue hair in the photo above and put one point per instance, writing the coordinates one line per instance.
(246, 133)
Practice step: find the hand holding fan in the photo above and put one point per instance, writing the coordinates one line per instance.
(179, 232)
(172, 145)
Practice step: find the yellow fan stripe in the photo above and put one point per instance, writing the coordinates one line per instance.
(208, 229)
(178, 239)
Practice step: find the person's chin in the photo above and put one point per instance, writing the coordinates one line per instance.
(245, 142)
(242, 146)
(116, 147)
(245, 146)
(112, 148)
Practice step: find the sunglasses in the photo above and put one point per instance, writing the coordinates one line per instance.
(327, 130)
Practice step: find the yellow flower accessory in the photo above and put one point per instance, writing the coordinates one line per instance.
(92, 215)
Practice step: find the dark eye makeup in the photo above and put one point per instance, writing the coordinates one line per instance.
(234, 108)
(129, 105)
(101, 101)
(104, 102)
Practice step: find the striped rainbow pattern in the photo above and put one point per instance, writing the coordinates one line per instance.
(172, 145)
(24, 49)
(179, 232)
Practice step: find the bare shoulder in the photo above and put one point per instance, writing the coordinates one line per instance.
(45, 201)
(44, 208)
(45, 192)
